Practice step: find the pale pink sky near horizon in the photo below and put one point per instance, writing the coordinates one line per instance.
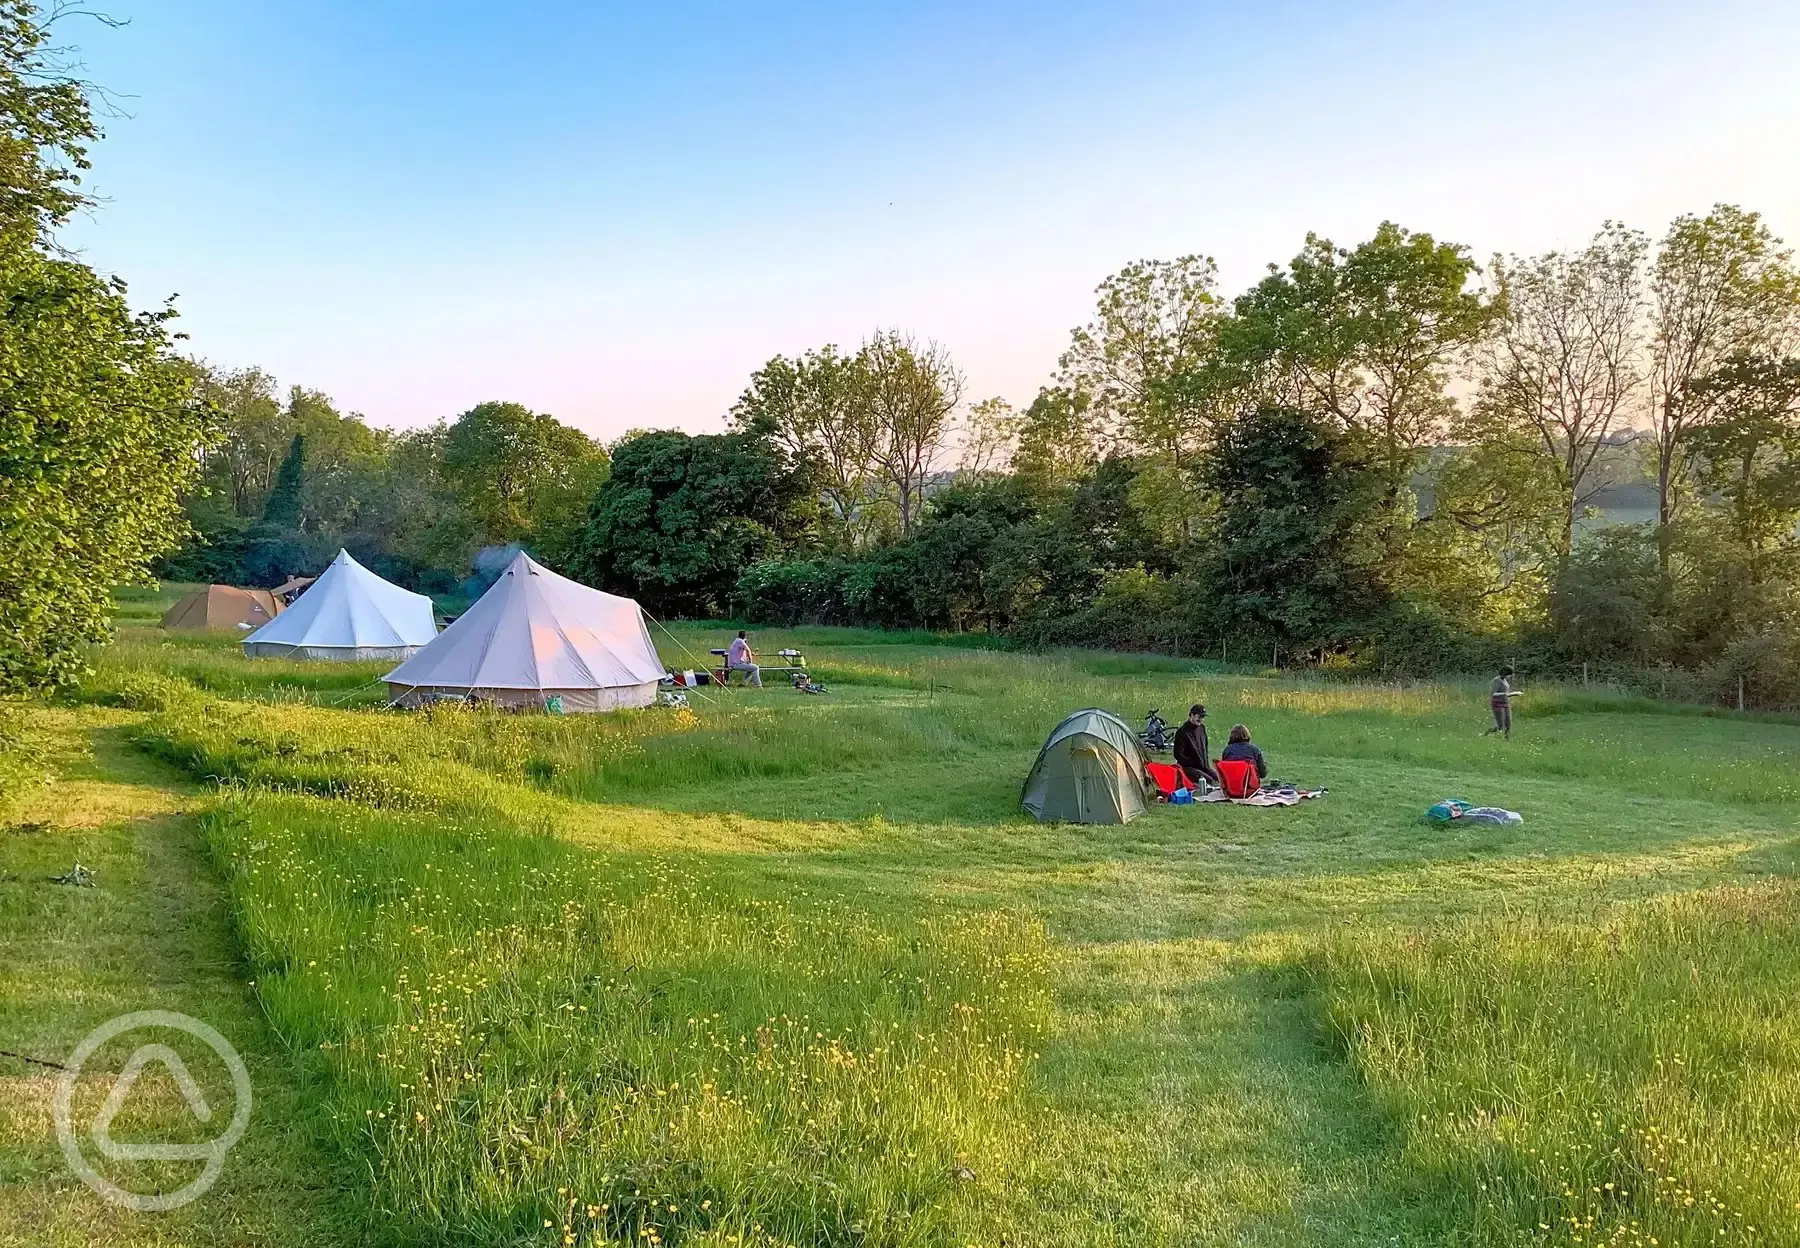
(615, 217)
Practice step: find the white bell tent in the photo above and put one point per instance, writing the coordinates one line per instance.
(348, 613)
(535, 636)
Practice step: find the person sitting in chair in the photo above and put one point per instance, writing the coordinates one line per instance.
(1191, 752)
(741, 658)
(1240, 749)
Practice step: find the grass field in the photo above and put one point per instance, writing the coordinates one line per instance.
(791, 970)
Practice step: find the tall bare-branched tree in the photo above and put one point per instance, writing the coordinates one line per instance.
(910, 390)
(1565, 361)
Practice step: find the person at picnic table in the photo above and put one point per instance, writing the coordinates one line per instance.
(741, 658)
(1240, 749)
(1191, 752)
(1500, 696)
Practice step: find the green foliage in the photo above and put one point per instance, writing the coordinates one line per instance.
(1293, 553)
(48, 126)
(1605, 597)
(97, 441)
(815, 408)
(681, 517)
(522, 474)
(283, 506)
(1364, 336)
(98, 431)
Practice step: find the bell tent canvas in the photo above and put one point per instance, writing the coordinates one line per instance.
(1091, 770)
(223, 607)
(348, 613)
(535, 636)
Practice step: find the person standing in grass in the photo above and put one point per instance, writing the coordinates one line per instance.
(1192, 754)
(1500, 696)
(741, 658)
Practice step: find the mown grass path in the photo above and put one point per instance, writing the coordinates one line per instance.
(152, 933)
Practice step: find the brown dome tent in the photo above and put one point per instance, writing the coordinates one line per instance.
(223, 607)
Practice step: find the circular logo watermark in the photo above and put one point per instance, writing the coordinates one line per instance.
(211, 1152)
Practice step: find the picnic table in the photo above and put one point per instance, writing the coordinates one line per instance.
(795, 665)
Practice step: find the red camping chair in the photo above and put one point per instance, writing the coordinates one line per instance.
(1237, 776)
(1168, 778)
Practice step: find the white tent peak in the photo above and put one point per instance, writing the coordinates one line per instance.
(348, 613)
(536, 635)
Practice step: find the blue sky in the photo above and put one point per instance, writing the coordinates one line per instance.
(614, 213)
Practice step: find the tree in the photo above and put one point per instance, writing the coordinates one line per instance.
(99, 433)
(1155, 320)
(1564, 361)
(680, 517)
(990, 437)
(1748, 452)
(910, 390)
(98, 440)
(256, 432)
(1056, 439)
(1366, 337)
(815, 407)
(519, 470)
(1290, 555)
(283, 507)
(1721, 286)
(46, 125)
(1604, 602)
(1484, 550)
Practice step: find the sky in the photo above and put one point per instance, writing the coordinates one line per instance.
(614, 213)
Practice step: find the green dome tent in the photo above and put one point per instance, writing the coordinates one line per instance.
(1091, 770)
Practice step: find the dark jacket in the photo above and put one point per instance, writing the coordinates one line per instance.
(1191, 750)
(1246, 751)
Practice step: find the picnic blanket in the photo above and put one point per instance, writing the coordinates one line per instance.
(1264, 797)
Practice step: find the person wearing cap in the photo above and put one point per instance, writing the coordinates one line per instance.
(1191, 752)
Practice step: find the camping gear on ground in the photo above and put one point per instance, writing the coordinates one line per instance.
(671, 700)
(1155, 737)
(1169, 778)
(1090, 770)
(349, 613)
(223, 607)
(1457, 810)
(535, 635)
(1182, 797)
(1286, 795)
(1237, 776)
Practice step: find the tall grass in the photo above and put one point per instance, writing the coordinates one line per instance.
(1629, 1081)
(536, 1044)
(787, 1037)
